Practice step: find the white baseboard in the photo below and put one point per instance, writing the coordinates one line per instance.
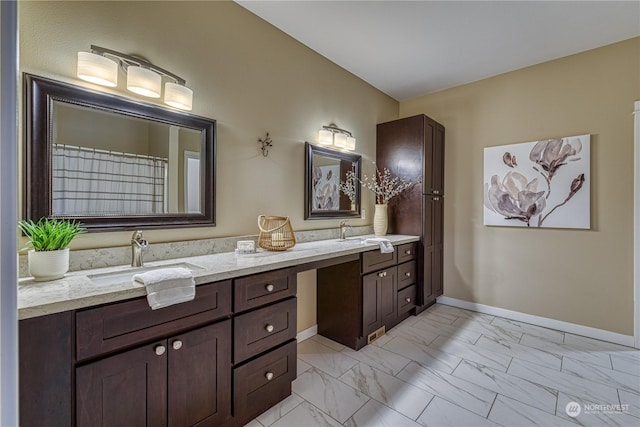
(307, 333)
(559, 325)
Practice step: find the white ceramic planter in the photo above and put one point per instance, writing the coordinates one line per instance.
(380, 220)
(48, 265)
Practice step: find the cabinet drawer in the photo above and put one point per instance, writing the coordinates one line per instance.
(376, 260)
(267, 327)
(124, 324)
(260, 289)
(255, 390)
(407, 252)
(406, 274)
(406, 299)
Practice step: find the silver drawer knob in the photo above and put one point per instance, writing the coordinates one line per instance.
(160, 349)
(382, 274)
(407, 299)
(269, 288)
(408, 252)
(408, 274)
(269, 328)
(269, 376)
(177, 345)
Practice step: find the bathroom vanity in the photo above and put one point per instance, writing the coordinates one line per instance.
(98, 355)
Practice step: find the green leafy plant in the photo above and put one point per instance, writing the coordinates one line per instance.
(50, 234)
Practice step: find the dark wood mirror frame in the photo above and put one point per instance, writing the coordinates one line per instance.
(347, 161)
(40, 93)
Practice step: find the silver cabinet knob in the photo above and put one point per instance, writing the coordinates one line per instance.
(269, 376)
(407, 299)
(269, 328)
(408, 274)
(408, 252)
(436, 198)
(160, 349)
(382, 274)
(436, 192)
(269, 288)
(177, 345)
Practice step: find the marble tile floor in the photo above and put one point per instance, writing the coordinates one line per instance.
(454, 367)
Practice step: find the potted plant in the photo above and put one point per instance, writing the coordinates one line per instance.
(384, 186)
(49, 238)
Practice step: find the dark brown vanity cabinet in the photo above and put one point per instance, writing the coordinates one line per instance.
(219, 360)
(357, 298)
(180, 381)
(265, 349)
(413, 147)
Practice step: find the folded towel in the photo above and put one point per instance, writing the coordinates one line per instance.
(167, 286)
(385, 244)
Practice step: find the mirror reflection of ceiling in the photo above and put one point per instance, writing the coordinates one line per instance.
(106, 163)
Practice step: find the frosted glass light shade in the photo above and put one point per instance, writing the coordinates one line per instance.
(340, 140)
(144, 82)
(97, 69)
(351, 143)
(325, 137)
(178, 96)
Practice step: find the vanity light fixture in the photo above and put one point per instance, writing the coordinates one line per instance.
(143, 77)
(339, 138)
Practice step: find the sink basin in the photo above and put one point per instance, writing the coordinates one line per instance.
(127, 275)
(351, 240)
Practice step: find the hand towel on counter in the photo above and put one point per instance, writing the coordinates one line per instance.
(167, 286)
(385, 244)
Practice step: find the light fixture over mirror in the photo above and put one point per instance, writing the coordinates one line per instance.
(332, 135)
(143, 77)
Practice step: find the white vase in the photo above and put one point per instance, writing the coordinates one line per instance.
(380, 220)
(48, 265)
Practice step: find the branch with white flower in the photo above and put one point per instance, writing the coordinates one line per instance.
(383, 185)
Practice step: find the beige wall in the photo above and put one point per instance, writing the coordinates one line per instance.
(245, 73)
(583, 277)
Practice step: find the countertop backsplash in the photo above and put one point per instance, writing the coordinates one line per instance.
(86, 259)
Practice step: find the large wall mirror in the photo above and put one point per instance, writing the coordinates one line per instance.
(113, 163)
(324, 170)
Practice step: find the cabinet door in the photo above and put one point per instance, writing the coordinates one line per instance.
(388, 282)
(438, 231)
(371, 304)
(128, 389)
(433, 157)
(429, 246)
(199, 376)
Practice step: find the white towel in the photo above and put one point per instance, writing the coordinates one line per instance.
(167, 286)
(385, 244)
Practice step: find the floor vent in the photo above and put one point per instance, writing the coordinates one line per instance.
(375, 335)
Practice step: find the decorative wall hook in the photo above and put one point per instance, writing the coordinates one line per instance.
(266, 144)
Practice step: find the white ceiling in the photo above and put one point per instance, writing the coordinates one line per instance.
(411, 48)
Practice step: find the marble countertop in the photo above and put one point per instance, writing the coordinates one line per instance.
(76, 290)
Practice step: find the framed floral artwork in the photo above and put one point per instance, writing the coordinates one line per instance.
(542, 183)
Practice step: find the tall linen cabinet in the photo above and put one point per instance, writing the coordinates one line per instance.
(413, 147)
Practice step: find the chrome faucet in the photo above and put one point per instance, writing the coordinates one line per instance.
(343, 229)
(138, 243)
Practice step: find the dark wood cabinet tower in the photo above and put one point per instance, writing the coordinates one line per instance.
(410, 148)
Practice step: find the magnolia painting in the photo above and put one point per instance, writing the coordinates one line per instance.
(326, 195)
(538, 184)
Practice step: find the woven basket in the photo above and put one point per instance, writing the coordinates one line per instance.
(276, 233)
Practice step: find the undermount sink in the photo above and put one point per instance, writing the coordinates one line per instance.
(127, 275)
(351, 240)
